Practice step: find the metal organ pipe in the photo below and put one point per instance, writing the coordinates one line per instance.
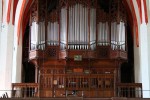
(38, 36)
(118, 35)
(63, 27)
(103, 33)
(122, 36)
(114, 35)
(52, 33)
(78, 27)
(34, 35)
(42, 35)
(118, 21)
(93, 28)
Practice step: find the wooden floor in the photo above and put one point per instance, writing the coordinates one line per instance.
(76, 98)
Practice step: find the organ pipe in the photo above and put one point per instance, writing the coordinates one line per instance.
(34, 35)
(92, 28)
(53, 36)
(38, 35)
(63, 27)
(118, 28)
(103, 28)
(78, 26)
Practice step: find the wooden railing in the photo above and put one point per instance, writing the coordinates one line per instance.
(77, 82)
(87, 86)
(129, 90)
(21, 90)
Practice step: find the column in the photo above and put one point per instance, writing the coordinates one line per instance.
(6, 53)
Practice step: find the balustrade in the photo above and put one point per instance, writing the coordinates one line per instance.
(24, 90)
(61, 85)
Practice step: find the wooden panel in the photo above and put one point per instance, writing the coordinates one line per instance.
(118, 54)
(83, 53)
(46, 93)
(52, 52)
(60, 93)
(103, 52)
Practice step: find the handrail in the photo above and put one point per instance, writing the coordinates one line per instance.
(129, 90)
(25, 90)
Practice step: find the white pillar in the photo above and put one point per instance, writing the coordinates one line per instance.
(6, 51)
(144, 60)
(144, 55)
(148, 35)
(137, 67)
(6, 54)
(141, 59)
(0, 24)
(17, 60)
(17, 52)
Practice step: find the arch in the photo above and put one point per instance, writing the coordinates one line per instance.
(21, 16)
(17, 52)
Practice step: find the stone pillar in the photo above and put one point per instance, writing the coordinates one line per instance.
(141, 61)
(145, 79)
(17, 61)
(17, 50)
(6, 53)
(148, 35)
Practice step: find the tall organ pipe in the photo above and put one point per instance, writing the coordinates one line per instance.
(118, 35)
(103, 33)
(92, 28)
(63, 28)
(38, 36)
(34, 35)
(78, 27)
(78, 30)
(52, 33)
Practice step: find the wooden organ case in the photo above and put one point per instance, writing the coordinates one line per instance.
(77, 47)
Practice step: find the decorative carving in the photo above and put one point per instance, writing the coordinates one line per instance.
(51, 52)
(62, 3)
(42, 10)
(88, 3)
(101, 16)
(103, 52)
(118, 54)
(53, 16)
(117, 11)
(34, 12)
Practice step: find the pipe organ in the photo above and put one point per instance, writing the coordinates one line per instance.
(79, 27)
(103, 28)
(77, 46)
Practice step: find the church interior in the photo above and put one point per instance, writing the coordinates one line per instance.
(78, 49)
